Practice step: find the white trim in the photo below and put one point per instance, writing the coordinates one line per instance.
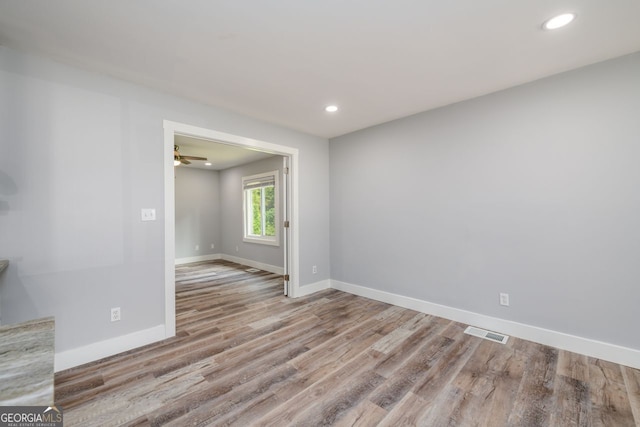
(598, 349)
(285, 216)
(255, 264)
(199, 258)
(313, 288)
(98, 350)
(170, 130)
(169, 233)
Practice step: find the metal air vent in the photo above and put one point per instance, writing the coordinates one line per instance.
(487, 335)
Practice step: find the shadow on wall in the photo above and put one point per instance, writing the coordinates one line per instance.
(8, 187)
(15, 295)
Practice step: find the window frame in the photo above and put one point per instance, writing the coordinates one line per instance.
(264, 240)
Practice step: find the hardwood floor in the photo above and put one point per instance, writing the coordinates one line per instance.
(246, 355)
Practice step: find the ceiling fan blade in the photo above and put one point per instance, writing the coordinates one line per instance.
(184, 161)
(193, 158)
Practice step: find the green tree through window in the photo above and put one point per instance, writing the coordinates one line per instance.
(260, 208)
(269, 212)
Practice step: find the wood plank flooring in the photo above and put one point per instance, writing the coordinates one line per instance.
(246, 355)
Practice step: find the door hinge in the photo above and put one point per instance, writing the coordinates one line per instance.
(286, 171)
(286, 224)
(286, 278)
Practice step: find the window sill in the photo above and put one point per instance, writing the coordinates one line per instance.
(269, 242)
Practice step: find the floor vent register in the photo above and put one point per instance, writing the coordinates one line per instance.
(487, 335)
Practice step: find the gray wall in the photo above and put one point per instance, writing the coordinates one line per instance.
(80, 155)
(232, 226)
(197, 201)
(531, 191)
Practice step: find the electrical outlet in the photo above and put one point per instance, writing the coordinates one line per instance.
(237, 249)
(115, 314)
(213, 246)
(197, 247)
(314, 269)
(504, 299)
(148, 214)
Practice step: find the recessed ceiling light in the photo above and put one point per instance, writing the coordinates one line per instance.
(331, 108)
(208, 164)
(558, 21)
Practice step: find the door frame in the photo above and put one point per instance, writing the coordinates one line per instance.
(170, 130)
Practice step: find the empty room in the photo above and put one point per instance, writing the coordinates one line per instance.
(360, 213)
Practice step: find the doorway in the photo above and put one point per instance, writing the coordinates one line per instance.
(290, 154)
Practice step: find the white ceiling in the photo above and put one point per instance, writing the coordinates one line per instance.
(282, 61)
(221, 156)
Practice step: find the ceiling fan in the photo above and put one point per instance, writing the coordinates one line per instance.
(177, 158)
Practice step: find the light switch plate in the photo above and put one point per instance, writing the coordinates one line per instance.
(148, 214)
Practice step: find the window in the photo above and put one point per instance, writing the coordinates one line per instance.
(261, 217)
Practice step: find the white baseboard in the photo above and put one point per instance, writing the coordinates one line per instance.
(255, 264)
(598, 349)
(199, 258)
(89, 353)
(312, 288)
